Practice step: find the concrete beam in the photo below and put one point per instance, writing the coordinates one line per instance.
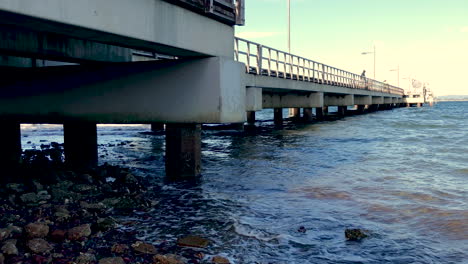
(253, 99)
(338, 100)
(362, 100)
(388, 100)
(152, 25)
(23, 43)
(183, 91)
(376, 100)
(272, 100)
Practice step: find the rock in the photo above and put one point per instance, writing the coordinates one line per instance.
(15, 187)
(85, 258)
(4, 234)
(144, 248)
(36, 230)
(43, 196)
(130, 179)
(220, 260)
(193, 241)
(355, 234)
(86, 178)
(84, 188)
(37, 186)
(93, 206)
(79, 232)
(105, 224)
(2, 259)
(111, 202)
(29, 198)
(302, 229)
(58, 235)
(117, 260)
(9, 247)
(167, 259)
(62, 213)
(38, 245)
(119, 248)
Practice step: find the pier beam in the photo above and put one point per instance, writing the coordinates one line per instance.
(361, 108)
(157, 127)
(250, 117)
(308, 116)
(278, 116)
(81, 149)
(10, 153)
(183, 150)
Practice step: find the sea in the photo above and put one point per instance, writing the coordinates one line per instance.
(400, 174)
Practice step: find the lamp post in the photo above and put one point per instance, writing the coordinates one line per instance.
(398, 74)
(370, 52)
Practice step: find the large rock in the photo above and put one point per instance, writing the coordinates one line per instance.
(119, 248)
(2, 259)
(117, 260)
(355, 234)
(58, 235)
(220, 260)
(79, 232)
(105, 224)
(193, 241)
(29, 198)
(167, 259)
(38, 246)
(15, 187)
(36, 230)
(144, 248)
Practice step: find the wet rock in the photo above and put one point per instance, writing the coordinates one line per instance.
(119, 248)
(105, 224)
(38, 245)
(84, 188)
(9, 247)
(144, 248)
(86, 178)
(220, 260)
(79, 232)
(193, 241)
(130, 179)
(58, 235)
(37, 186)
(2, 259)
(15, 187)
(62, 213)
(4, 233)
(117, 260)
(111, 202)
(85, 258)
(92, 206)
(355, 234)
(36, 230)
(167, 259)
(301, 229)
(43, 196)
(29, 198)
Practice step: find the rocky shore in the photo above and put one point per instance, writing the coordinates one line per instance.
(52, 214)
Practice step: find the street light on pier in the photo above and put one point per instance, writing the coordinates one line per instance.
(398, 74)
(370, 52)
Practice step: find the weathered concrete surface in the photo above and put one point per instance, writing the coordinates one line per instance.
(39, 45)
(191, 91)
(251, 117)
(144, 24)
(376, 100)
(362, 100)
(338, 100)
(292, 100)
(183, 150)
(254, 99)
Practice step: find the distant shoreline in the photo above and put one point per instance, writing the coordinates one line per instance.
(452, 100)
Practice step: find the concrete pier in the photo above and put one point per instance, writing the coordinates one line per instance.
(361, 108)
(308, 115)
(278, 116)
(319, 112)
(183, 150)
(295, 113)
(81, 148)
(342, 110)
(155, 127)
(251, 117)
(10, 153)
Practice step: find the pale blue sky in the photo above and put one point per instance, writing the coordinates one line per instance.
(427, 38)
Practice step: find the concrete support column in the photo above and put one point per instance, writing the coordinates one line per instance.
(342, 110)
(419, 105)
(81, 149)
(360, 109)
(408, 105)
(319, 113)
(157, 127)
(373, 107)
(251, 117)
(10, 152)
(296, 113)
(308, 116)
(183, 150)
(278, 116)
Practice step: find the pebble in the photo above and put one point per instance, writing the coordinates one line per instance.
(9, 248)
(144, 248)
(355, 234)
(2, 259)
(220, 260)
(79, 232)
(36, 230)
(116, 260)
(167, 259)
(119, 248)
(85, 258)
(38, 245)
(193, 241)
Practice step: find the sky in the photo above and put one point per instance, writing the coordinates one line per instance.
(426, 39)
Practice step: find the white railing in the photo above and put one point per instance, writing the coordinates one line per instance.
(267, 61)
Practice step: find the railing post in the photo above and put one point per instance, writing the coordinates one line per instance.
(236, 49)
(277, 64)
(269, 62)
(259, 59)
(248, 57)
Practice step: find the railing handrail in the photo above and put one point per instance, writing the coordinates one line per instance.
(304, 70)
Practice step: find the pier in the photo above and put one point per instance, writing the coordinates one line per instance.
(157, 62)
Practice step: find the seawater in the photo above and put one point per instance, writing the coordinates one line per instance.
(401, 174)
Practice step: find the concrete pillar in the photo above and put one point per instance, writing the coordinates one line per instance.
(157, 127)
(373, 107)
(278, 116)
(319, 113)
(419, 105)
(408, 105)
(342, 110)
(296, 113)
(10, 152)
(308, 116)
(81, 149)
(183, 150)
(251, 117)
(360, 109)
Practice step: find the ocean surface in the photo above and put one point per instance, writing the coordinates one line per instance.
(401, 174)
